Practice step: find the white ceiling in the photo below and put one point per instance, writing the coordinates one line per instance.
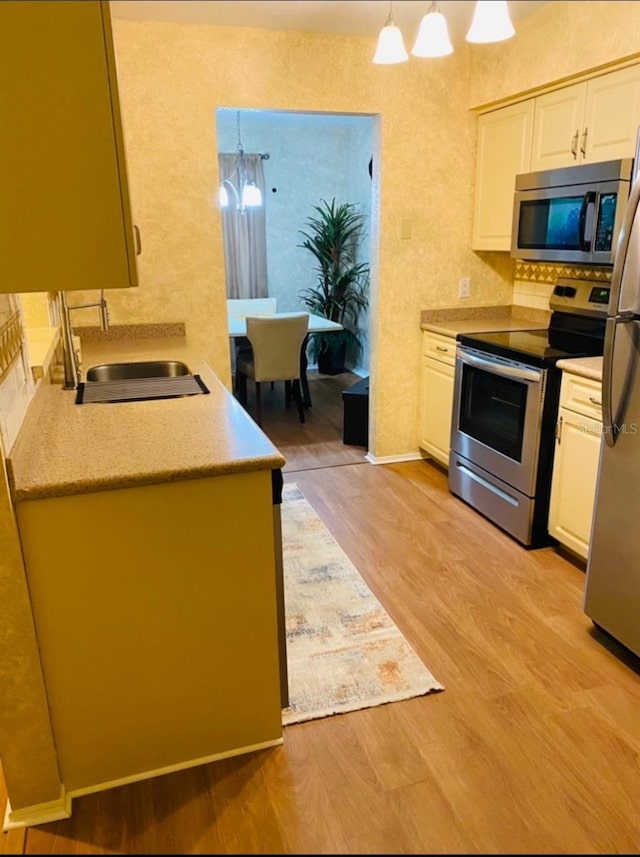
(354, 17)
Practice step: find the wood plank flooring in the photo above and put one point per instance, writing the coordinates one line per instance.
(318, 441)
(533, 746)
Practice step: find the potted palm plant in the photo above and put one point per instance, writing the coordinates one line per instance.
(333, 237)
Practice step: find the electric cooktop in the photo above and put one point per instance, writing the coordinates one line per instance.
(534, 347)
(576, 328)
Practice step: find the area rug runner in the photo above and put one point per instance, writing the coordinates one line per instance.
(343, 650)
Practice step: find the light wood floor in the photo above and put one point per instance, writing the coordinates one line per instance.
(533, 746)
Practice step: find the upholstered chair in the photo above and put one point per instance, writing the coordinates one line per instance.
(275, 356)
(240, 308)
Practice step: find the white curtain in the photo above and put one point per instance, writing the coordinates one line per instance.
(244, 233)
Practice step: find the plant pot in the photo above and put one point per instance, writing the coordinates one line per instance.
(331, 362)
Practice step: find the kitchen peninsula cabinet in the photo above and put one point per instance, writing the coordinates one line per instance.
(436, 395)
(157, 632)
(66, 217)
(147, 532)
(577, 456)
(591, 120)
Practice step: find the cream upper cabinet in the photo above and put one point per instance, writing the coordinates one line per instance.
(557, 128)
(504, 150)
(64, 202)
(612, 115)
(596, 120)
(436, 395)
(575, 467)
(593, 120)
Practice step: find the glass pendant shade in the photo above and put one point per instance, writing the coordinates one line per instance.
(491, 22)
(223, 197)
(251, 196)
(390, 47)
(433, 36)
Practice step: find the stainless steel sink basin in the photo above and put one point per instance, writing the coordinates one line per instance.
(141, 369)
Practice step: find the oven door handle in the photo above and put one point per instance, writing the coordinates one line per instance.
(497, 368)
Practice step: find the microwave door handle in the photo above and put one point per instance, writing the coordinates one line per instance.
(496, 368)
(589, 199)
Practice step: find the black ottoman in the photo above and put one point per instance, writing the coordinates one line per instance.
(355, 424)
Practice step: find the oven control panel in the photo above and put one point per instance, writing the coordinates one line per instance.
(582, 297)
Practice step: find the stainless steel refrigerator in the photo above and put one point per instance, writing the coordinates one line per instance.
(612, 592)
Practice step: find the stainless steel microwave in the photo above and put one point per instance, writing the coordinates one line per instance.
(570, 215)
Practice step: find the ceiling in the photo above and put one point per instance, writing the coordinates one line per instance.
(354, 17)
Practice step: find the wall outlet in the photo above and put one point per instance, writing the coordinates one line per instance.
(464, 287)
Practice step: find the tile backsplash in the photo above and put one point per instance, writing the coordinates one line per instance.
(534, 281)
(16, 382)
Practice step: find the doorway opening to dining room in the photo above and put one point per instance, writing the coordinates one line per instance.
(299, 160)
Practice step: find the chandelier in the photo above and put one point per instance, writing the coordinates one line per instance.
(490, 23)
(245, 191)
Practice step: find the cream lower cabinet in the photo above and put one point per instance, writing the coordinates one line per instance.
(436, 395)
(575, 468)
(155, 609)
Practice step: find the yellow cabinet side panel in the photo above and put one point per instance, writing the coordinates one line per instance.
(155, 610)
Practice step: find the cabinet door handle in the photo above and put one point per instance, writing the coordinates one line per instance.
(574, 145)
(583, 142)
(136, 232)
(559, 431)
(595, 401)
(441, 348)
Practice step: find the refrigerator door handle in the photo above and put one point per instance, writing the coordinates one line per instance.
(609, 427)
(620, 257)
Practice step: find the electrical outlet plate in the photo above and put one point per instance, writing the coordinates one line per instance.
(464, 287)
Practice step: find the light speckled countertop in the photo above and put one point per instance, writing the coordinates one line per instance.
(588, 367)
(64, 448)
(479, 325)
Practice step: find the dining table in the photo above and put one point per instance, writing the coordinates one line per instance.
(317, 324)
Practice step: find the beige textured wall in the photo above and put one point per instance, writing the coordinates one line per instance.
(171, 79)
(561, 39)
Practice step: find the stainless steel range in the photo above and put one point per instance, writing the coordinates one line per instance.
(505, 406)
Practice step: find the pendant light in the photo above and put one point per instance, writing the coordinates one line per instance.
(491, 22)
(390, 48)
(247, 194)
(433, 36)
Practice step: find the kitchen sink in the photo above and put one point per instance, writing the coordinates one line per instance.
(140, 369)
(139, 382)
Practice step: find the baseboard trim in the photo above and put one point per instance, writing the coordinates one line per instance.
(38, 813)
(180, 766)
(392, 459)
(56, 810)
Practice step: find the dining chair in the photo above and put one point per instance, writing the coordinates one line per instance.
(240, 308)
(275, 356)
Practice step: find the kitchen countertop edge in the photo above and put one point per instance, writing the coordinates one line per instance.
(587, 367)
(454, 321)
(141, 443)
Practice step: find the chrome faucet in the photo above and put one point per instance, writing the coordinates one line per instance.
(70, 359)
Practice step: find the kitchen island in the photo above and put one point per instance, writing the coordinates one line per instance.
(147, 530)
